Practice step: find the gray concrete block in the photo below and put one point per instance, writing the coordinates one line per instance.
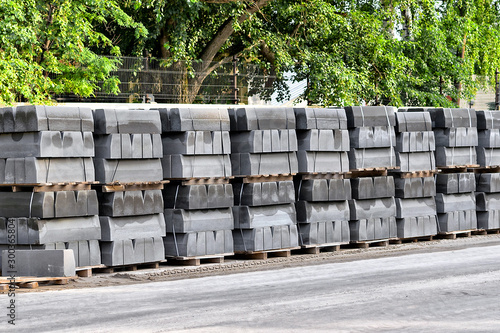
(488, 182)
(313, 190)
(370, 229)
(316, 161)
(256, 217)
(455, 202)
(371, 158)
(489, 138)
(487, 120)
(125, 203)
(367, 116)
(415, 207)
(35, 231)
(487, 201)
(409, 142)
(455, 183)
(42, 263)
(264, 194)
(448, 118)
(127, 146)
(488, 156)
(320, 118)
(34, 118)
(198, 196)
(323, 140)
(456, 137)
(372, 208)
(108, 121)
(455, 156)
(488, 220)
(421, 161)
(413, 122)
(196, 143)
(264, 164)
(312, 212)
(129, 170)
(248, 240)
(185, 221)
(184, 166)
(415, 187)
(372, 187)
(195, 119)
(457, 220)
(251, 118)
(372, 137)
(47, 144)
(31, 170)
(131, 227)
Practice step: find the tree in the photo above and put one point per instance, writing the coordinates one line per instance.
(49, 47)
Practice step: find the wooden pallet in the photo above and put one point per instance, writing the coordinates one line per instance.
(201, 180)
(485, 231)
(485, 169)
(414, 174)
(31, 282)
(321, 175)
(371, 172)
(198, 260)
(369, 243)
(318, 248)
(264, 178)
(264, 255)
(86, 271)
(456, 168)
(131, 267)
(410, 239)
(454, 234)
(47, 187)
(132, 186)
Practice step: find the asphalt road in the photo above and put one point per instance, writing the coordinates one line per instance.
(449, 291)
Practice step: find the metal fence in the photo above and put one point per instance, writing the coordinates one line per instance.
(141, 78)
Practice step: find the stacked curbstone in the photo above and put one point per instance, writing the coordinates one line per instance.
(488, 179)
(456, 137)
(321, 190)
(372, 154)
(128, 159)
(47, 151)
(198, 201)
(264, 143)
(415, 195)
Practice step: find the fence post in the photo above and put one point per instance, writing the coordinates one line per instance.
(235, 80)
(497, 91)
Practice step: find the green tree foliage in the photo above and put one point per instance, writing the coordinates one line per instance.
(49, 47)
(400, 52)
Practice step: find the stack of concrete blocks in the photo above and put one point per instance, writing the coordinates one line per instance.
(196, 143)
(456, 137)
(372, 137)
(43, 145)
(372, 209)
(488, 183)
(322, 207)
(264, 142)
(372, 141)
(198, 216)
(129, 151)
(415, 196)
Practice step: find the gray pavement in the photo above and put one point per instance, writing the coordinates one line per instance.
(448, 291)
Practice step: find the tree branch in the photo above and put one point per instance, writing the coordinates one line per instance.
(226, 31)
